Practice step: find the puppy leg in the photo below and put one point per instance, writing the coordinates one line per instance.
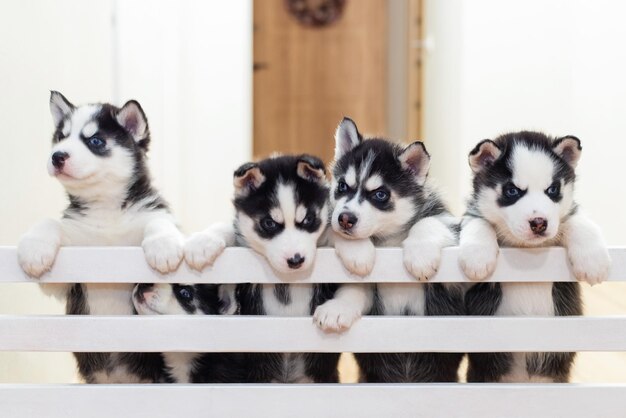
(203, 248)
(38, 248)
(350, 302)
(586, 249)
(163, 244)
(422, 248)
(357, 255)
(478, 248)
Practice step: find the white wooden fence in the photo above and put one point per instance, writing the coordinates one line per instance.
(267, 334)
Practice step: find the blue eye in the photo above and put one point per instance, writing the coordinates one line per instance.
(511, 191)
(269, 224)
(380, 195)
(96, 142)
(185, 293)
(554, 190)
(342, 187)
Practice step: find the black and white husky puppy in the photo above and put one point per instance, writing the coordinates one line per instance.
(189, 299)
(381, 198)
(99, 156)
(281, 208)
(523, 197)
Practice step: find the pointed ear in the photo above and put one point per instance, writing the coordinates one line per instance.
(483, 155)
(416, 160)
(311, 169)
(247, 178)
(132, 118)
(568, 148)
(347, 136)
(60, 107)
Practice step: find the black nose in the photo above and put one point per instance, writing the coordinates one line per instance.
(295, 261)
(347, 220)
(58, 159)
(141, 289)
(538, 225)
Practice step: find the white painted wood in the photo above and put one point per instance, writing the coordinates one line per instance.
(237, 265)
(303, 401)
(279, 334)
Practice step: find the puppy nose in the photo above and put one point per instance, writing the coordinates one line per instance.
(58, 158)
(347, 220)
(295, 261)
(538, 225)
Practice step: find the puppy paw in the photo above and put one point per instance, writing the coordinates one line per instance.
(202, 249)
(163, 252)
(335, 315)
(478, 261)
(36, 255)
(421, 259)
(590, 263)
(357, 256)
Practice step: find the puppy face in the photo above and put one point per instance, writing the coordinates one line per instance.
(282, 209)
(183, 299)
(524, 185)
(96, 146)
(376, 184)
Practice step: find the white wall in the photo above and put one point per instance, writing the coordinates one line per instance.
(187, 63)
(554, 66)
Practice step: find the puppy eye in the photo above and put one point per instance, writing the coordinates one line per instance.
(554, 189)
(269, 224)
(511, 191)
(308, 220)
(342, 187)
(185, 293)
(380, 195)
(96, 142)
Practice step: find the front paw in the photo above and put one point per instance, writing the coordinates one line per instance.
(421, 259)
(202, 250)
(357, 256)
(163, 252)
(590, 263)
(335, 315)
(478, 261)
(36, 255)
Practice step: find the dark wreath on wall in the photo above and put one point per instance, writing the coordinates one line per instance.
(316, 13)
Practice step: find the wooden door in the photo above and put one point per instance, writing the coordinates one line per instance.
(306, 79)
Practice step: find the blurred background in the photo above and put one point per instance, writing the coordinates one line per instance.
(224, 82)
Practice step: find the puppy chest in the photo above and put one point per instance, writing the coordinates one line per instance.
(402, 299)
(526, 299)
(287, 300)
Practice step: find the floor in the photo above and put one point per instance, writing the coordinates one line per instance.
(590, 367)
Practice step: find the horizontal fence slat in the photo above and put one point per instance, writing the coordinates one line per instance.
(365, 400)
(279, 334)
(241, 265)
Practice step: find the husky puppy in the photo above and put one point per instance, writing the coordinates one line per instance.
(381, 198)
(523, 197)
(199, 299)
(99, 156)
(281, 208)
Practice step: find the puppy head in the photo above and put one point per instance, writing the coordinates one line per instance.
(96, 146)
(524, 183)
(183, 299)
(282, 209)
(376, 184)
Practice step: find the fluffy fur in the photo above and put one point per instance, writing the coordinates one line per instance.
(99, 156)
(281, 212)
(523, 197)
(381, 197)
(188, 299)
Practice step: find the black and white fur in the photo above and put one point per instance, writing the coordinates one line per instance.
(381, 198)
(99, 156)
(523, 197)
(189, 299)
(281, 208)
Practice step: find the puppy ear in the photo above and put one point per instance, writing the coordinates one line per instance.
(416, 160)
(248, 178)
(569, 149)
(484, 155)
(311, 169)
(347, 136)
(132, 118)
(60, 107)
